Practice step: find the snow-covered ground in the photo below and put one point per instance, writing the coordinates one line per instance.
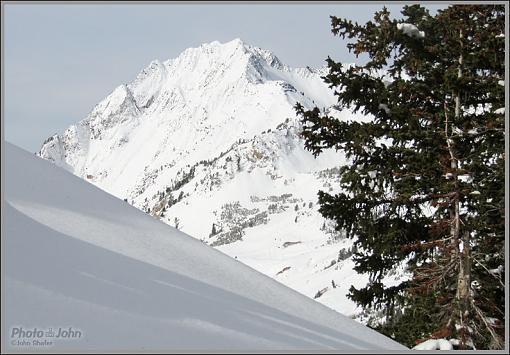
(75, 256)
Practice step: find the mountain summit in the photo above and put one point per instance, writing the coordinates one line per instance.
(181, 111)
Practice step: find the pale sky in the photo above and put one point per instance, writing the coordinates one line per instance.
(60, 60)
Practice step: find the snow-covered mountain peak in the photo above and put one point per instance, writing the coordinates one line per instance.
(212, 136)
(256, 53)
(243, 59)
(234, 46)
(178, 112)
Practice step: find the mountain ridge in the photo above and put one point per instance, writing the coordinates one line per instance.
(192, 87)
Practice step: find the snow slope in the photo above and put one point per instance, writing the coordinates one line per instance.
(77, 257)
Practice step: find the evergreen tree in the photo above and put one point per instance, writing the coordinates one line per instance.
(424, 187)
(239, 168)
(171, 200)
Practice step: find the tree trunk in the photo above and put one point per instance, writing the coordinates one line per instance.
(463, 250)
(463, 296)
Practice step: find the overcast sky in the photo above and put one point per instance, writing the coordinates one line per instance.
(61, 60)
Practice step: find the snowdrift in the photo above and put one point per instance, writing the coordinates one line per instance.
(77, 257)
